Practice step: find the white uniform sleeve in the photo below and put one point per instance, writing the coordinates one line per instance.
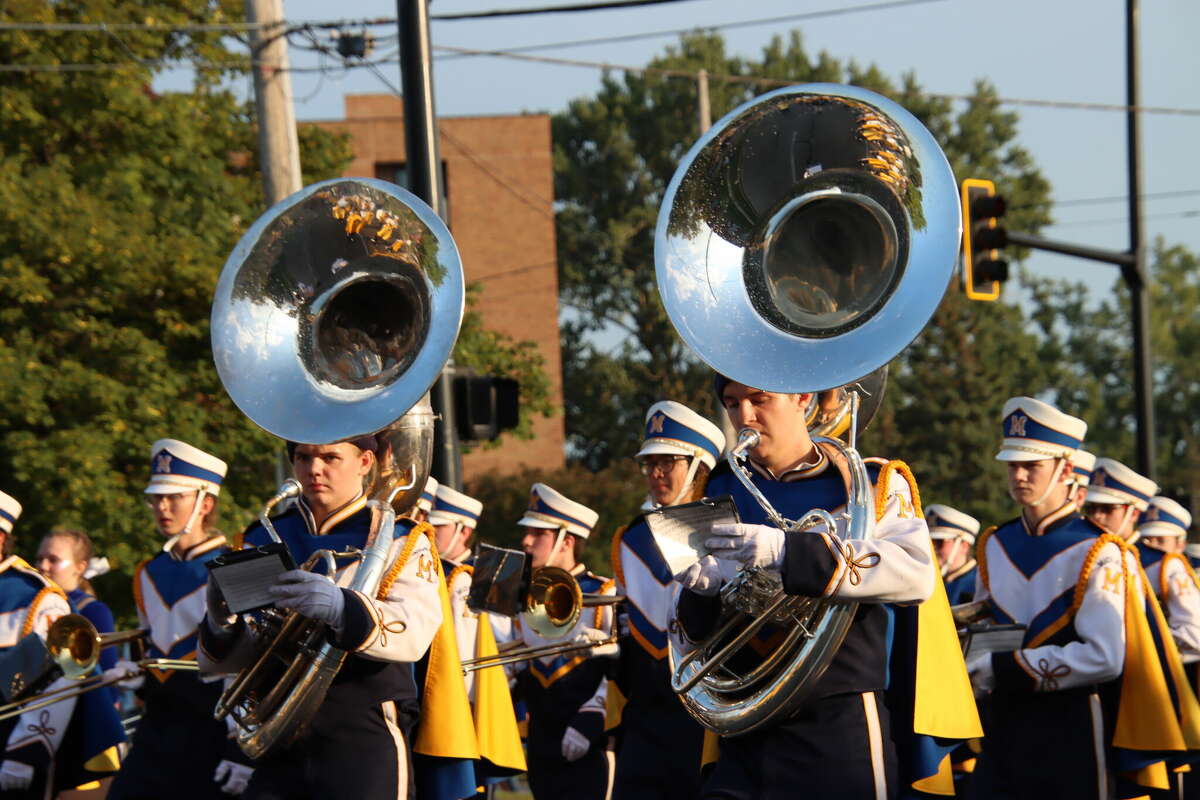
(45, 726)
(1183, 609)
(401, 626)
(896, 565)
(1099, 655)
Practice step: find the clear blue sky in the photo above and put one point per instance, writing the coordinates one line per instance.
(1066, 50)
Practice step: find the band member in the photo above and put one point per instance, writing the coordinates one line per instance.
(565, 694)
(179, 750)
(1116, 498)
(64, 556)
(1054, 703)
(1083, 462)
(841, 744)
(357, 745)
(1161, 536)
(420, 511)
(454, 517)
(660, 744)
(953, 534)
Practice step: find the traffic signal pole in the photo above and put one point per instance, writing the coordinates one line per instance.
(425, 181)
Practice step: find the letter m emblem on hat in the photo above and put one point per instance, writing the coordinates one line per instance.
(162, 462)
(1016, 425)
(656, 423)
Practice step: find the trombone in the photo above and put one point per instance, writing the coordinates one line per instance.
(554, 603)
(73, 646)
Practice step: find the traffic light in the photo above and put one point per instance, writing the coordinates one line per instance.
(484, 406)
(983, 239)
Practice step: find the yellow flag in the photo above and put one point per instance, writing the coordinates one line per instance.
(495, 718)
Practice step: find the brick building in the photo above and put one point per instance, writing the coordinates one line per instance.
(499, 197)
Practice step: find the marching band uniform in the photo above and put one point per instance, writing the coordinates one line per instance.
(178, 746)
(950, 523)
(566, 694)
(845, 743)
(495, 721)
(372, 704)
(1170, 575)
(426, 500)
(660, 743)
(1082, 464)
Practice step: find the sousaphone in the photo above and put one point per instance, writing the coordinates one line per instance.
(803, 242)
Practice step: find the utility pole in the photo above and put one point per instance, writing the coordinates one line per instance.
(424, 166)
(278, 145)
(702, 93)
(1136, 276)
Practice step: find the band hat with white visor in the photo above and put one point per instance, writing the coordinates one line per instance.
(177, 467)
(674, 429)
(1165, 517)
(950, 523)
(10, 510)
(552, 510)
(428, 495)
(1113, 483)
(452, 506)
(1035, 431)
(1083, 462)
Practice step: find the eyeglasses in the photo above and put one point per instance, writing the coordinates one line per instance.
(1092, 509)
(154, 500)
(661, 464)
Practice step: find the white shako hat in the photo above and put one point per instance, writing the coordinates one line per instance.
(176, 466)
(950, 523)
(674, 429)
(551, 509)
(1035, 431)
(1192, 550)
(453, 506)
(1164, 517)
(10, 509)
(428, 495)
(1083, 462)
(1114, 483)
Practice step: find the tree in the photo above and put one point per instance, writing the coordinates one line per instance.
(614, 155)
(120, 206)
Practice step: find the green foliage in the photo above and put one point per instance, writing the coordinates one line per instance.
(616, 492)
(119, 208)
(614, 155)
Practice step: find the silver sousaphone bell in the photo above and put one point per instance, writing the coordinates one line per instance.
(804, 241)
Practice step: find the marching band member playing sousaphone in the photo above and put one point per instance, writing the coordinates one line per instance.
(843, 742)
(566, 693)
(454, 517)
(358, 742)
(38, 742)
(179, 750)
(953, 534)
(659, 743)
(1076, 587)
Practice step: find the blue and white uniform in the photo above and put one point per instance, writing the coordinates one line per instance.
(841, 744)
(357, 745)
(1170, 575)
(659, 743)
(566, 691)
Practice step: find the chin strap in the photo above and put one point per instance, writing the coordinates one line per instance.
(562, 533)
(1058, 462)
(169, 546)
(687, 482)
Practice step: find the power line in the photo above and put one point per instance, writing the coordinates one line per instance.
(1122, 220)
(629, 37)
(516, 12)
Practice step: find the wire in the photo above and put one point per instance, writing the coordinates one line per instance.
(629, 37)
(1115, 220)
(516, 12)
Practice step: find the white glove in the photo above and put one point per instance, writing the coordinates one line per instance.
(313, 595)
(750, 545)
(15, 775)
(983, 679)
(574, 744)
(233, 777)
(703, 577)
(610, 650)
(126, 675)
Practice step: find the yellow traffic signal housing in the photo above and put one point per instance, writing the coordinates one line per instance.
(983, 238)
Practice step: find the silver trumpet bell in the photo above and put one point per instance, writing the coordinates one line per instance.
(804, 241)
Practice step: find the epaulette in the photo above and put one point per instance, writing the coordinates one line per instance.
(459, 570)
(137, 585)
(981, 555)
(616, 554)
(890, 468)
(46, 587)
(1162, 573)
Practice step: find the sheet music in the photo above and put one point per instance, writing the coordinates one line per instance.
(981, 639)
(680, 531)
(245, 583)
